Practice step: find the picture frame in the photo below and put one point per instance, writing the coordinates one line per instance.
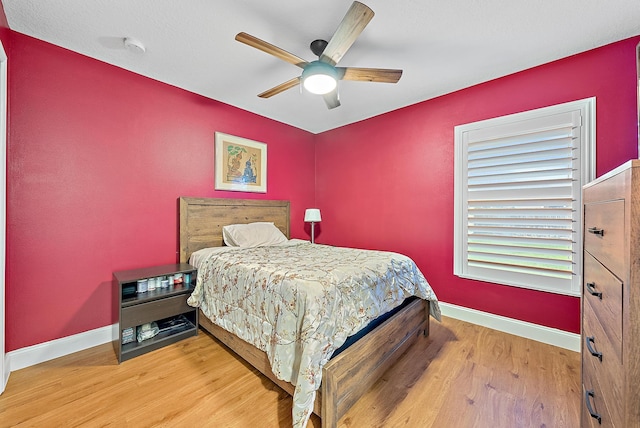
(240, 164)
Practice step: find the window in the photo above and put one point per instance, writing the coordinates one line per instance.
(518, 207)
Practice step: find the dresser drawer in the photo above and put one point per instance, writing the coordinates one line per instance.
(155, 310)
(604, 369)
(607, 402)
(597, 406)
(604, 233)
(602, 300)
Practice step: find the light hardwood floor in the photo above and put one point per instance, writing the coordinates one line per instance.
(462, 376)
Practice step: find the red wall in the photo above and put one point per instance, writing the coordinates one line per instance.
(97, 159)
(387, 182)
(98, 156)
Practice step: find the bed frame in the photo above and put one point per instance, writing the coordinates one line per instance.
(350, 374)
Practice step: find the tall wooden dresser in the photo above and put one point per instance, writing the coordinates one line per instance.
(611, 300)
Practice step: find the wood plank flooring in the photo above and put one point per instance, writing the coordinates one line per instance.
(461, 376)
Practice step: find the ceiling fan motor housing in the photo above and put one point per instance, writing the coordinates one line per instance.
(318, 46)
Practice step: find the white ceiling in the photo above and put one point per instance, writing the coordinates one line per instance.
(442, 46)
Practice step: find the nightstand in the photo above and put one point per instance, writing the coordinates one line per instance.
(167, 306)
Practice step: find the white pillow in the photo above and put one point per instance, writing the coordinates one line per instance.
(252, 235)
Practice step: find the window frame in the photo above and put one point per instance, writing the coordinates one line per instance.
(587, 161)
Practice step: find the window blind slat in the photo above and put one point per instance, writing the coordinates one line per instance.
(514, 176)
(538, 253)
(527, 262)
(518, 201)
(554, 244)
(540, 188)
(538, 167)
(567, 276)
(514, 159)
(523, 233)
(520, 223)
(517, 143)
(521, 213)
(535, 147)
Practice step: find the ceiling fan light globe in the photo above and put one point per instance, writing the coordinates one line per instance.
(320, 84)
(319, 78)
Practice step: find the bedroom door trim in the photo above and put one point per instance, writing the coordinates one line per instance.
(4, 361)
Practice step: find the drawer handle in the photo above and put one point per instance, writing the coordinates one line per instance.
(596, 231)
(589, 341)
(591, 288)
(593, 414)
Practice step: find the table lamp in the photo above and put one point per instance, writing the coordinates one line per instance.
(312, 215)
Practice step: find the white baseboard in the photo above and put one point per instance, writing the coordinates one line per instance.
(5, 372)
(551, 336)
(32, 355)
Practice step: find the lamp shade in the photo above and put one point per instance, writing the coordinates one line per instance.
(312, 215)
(320, 78)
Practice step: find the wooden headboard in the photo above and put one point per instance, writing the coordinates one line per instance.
(202, 219)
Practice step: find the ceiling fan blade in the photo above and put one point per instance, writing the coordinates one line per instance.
(280, 88)
(357, 17)
(383, 75)
(331, 99)
(267, 47)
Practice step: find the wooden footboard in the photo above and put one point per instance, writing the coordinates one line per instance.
(349, 375)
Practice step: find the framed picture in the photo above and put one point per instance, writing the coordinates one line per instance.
(240, 164)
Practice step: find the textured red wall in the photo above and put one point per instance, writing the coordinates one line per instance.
(97, 159)
(387, 182)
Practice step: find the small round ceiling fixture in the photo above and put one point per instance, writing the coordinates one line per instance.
(134, 45)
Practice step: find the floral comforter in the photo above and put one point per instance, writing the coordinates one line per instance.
(299, 303)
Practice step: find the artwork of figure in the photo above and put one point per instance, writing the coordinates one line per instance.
(234, 162)
(249, 175)
(237, 156)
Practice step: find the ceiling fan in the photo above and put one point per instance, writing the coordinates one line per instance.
(321, 76)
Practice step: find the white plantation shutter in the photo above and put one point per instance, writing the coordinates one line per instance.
(518, 197)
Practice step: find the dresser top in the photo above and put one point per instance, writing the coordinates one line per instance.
(633, 163)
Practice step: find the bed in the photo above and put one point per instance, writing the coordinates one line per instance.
(346, 376)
